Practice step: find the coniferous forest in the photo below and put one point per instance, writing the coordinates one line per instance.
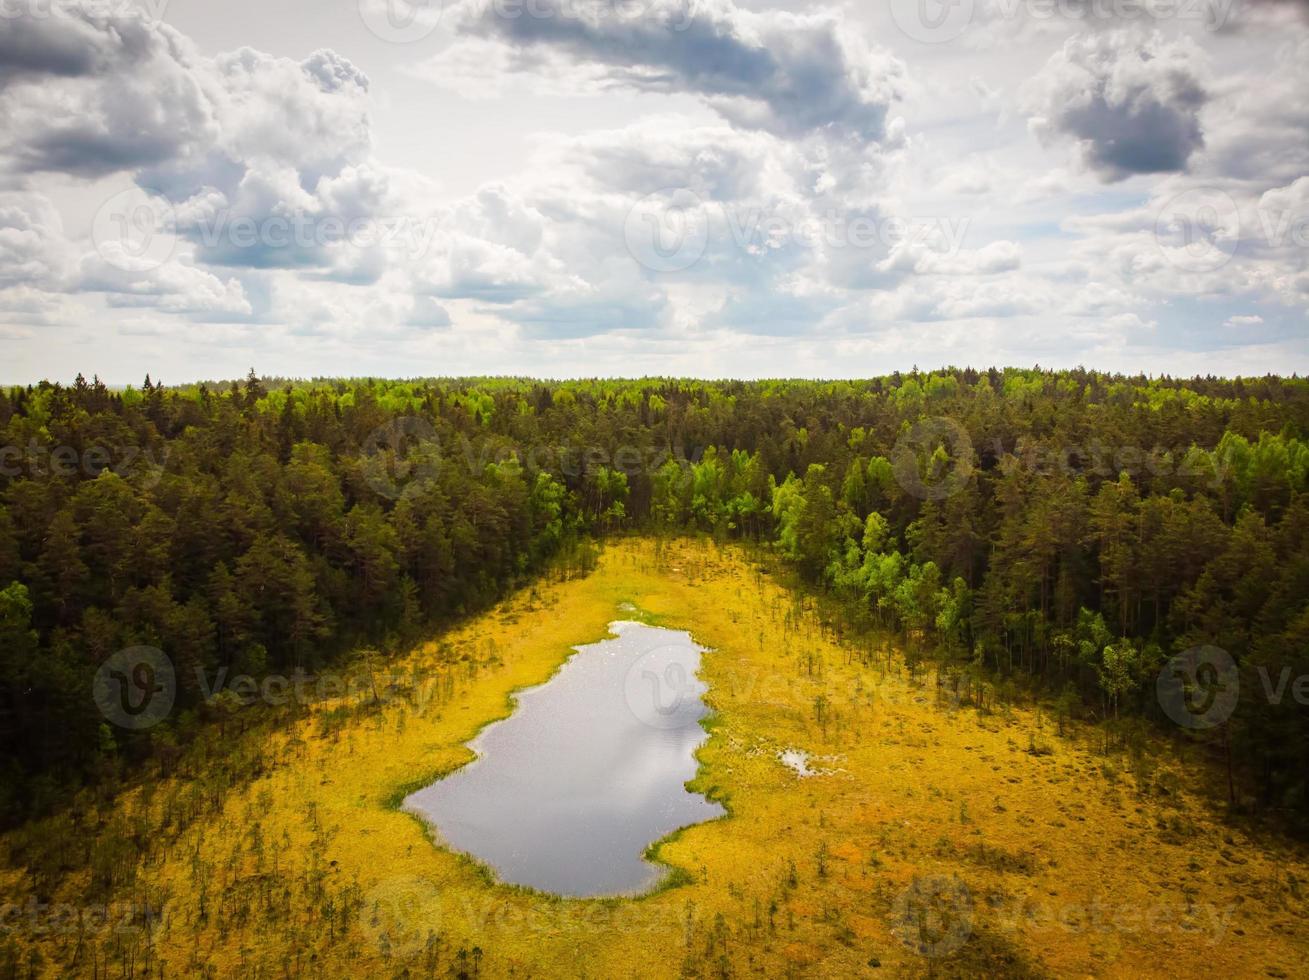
(1046, 535)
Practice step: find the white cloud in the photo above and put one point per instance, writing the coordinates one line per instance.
(1131, 104)
(32, 245)
(91, 92)
(790, 74)
(808, 188)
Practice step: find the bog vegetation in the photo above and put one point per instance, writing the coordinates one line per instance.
(938, 831)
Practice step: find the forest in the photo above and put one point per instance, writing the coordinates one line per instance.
(1052, 534)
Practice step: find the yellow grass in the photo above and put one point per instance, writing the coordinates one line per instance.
(1070, 863)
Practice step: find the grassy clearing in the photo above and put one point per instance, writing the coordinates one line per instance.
(939, 839)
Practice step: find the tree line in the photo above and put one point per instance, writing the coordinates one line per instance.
(1067, 530)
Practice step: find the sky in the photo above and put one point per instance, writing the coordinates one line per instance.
(565, 188)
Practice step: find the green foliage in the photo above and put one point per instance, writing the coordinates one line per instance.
(268, 525)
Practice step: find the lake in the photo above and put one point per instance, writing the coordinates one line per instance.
(590, 768)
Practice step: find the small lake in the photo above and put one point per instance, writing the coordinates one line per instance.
(590, 769)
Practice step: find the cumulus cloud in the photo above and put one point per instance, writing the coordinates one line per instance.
(803, 191)
(171, 288)
(91, 92)
(1131, 104)
(33, 250)
(311, 114)
(789, 74)
(255, 161)
(1256, 131)
(936, 250)
(44, 46)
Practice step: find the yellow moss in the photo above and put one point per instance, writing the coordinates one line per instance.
(1068, 870)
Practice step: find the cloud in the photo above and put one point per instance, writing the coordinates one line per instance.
(1256, 130)
(805, 187)
(790, 74)
(1131, 104)
(33, 250)
(257, 162)
(45, 46)
(171, 288)
(935, 250)
(427, 312)
(238, 139)
(483, 68)
(311, 115)
(89, 93)
(28, 306)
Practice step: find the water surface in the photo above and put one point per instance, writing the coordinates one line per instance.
(589, 769)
